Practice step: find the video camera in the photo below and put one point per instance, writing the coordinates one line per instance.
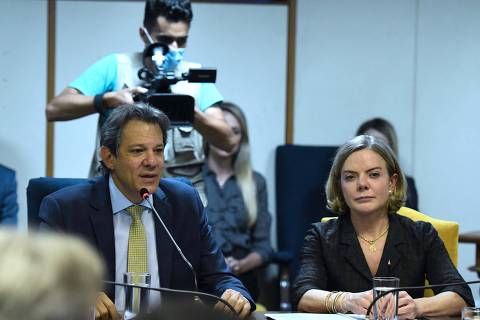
(157, 79)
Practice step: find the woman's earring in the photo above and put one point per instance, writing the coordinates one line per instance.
(390, 191)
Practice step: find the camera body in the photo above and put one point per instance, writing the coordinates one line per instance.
(157, 79)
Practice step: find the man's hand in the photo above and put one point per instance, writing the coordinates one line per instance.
(117, 98)
(237, 301)
(357, 302)
(105, 308)
(407, 308)
(214, 129)
(72, 104)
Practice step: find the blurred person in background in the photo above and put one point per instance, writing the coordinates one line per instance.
(237, 203)
(47, 277)
(8, 196)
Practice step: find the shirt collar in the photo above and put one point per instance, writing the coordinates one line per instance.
(119, 201)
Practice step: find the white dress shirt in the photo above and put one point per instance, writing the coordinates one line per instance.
(121, 228)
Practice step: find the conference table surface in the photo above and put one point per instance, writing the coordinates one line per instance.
(297, 316)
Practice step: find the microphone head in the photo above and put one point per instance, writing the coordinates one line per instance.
(144, 193)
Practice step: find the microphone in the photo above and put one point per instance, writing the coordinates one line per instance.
(144, 193)
(369, 310)
(185, 292)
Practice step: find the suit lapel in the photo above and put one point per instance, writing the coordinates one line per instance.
(101, 218)
(392, 252)
(353, 253)
(163, 242)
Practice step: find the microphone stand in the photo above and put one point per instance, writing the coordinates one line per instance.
(144, 193)
(369, 310)
(177, 291)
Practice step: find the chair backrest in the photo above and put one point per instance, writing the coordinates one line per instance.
(38, 188)
(447, 231)
(301, 173)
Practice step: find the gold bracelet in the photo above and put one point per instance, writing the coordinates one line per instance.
(334, 307)
(342, 303)
(326, 301)
(339, 300)
(332, 301)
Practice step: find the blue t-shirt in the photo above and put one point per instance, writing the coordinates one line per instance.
(102, 77)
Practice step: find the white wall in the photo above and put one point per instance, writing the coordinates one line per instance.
(447, 136)
(354, 62)
(23, 69)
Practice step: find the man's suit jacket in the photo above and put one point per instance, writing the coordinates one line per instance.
(86, 211)
(8, 196)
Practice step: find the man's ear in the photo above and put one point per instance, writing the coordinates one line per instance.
(108, 157)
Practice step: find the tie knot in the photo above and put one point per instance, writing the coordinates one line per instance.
(135, 211)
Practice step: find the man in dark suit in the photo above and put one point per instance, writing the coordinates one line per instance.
(132, 143)
(8, 196)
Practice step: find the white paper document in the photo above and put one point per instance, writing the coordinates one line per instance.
(313, 316)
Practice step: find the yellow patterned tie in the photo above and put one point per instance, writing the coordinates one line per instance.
(137, 242)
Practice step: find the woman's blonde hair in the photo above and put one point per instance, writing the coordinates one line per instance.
(242, 166)
(47, 277)
(336, 201)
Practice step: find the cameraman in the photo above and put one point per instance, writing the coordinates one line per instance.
(113, 81)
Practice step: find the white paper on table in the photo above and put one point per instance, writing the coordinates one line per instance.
(313, 316)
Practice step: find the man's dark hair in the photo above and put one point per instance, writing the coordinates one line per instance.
(172, 10)
(112, 128)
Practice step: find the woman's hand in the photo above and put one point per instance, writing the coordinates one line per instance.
(407, 308)
(356, 302)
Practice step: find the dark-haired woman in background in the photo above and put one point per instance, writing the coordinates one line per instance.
(237, 203)
(366, 187)
(381, 128)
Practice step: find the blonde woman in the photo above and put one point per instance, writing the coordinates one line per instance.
(366, 187)
(381, 128)
(237, 203)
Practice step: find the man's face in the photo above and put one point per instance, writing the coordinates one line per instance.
(168, 32)
(139, 163)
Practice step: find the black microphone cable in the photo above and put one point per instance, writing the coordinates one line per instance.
(369, 310)
(176, 291)
(144, 193)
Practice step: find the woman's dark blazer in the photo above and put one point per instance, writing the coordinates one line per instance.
(332, 259)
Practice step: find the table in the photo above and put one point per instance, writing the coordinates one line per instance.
(473, 237)
(261, 316)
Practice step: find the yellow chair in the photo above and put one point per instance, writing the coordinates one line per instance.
(447, 231)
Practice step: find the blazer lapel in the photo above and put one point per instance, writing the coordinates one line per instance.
(392, 252)
(353, 253)
(101, 218)
(163, 241)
